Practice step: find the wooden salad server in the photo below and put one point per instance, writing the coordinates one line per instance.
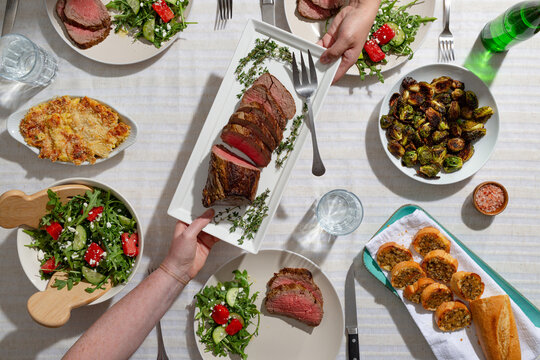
(52, 307)
(17, 208)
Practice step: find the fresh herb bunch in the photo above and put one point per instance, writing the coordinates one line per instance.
(287, 145)
(137, 17)
(264, 49)
(388, 12)
(105, 230)
(250, 221)
(243, 305)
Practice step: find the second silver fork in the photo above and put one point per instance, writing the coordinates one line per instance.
(446, 39)
(306, 88)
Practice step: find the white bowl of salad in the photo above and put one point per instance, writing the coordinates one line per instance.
(97, 237)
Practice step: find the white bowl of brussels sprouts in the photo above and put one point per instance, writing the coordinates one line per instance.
(439, 124)
(99, 221)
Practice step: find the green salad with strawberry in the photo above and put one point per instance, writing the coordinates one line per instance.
(225, 311)
(393, 32)
(92, 237)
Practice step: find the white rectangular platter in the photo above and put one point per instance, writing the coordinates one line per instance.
(186, 204)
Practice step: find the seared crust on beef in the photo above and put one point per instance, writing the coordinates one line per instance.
(259, 93)
(299, 276)
(81, 37)
(255, 124)
(265, 117)
(279, 93)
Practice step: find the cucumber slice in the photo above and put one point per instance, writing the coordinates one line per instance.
(207, 312)
(124, 220)
(79, 241)
(237, 317)
(219, 334)
(134, 5)
(148, 29)
(399, 38)
(93, 277)
(232, 293)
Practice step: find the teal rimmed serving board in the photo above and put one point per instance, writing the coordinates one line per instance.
(371, 265)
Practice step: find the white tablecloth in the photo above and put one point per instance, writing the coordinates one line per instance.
(169, 97)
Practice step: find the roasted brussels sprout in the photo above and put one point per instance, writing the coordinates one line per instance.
(418, 121)
(394, 99)
(471, 100)
(452, 163)
(454, 111)
(456, 84)
(410, 146)
(429, 171)
(458, 95)
(433, 117)
(443, 125)
(469, 125)
(437, 106)
(407, 82)
(466, 112)
(425, 155)
(395, 131)
(482, 114)
(395, 148)
(425, 130)
(417, 140)
(409, 159)
(455, 144)
(426, 90)
(406, 113)
(455, 130)
(439, 136)
(442, 84)
(444, 98)
(473, 135)
(386, 121)
(467, 152)
(438, 153)
(408, 130)
(415, 98)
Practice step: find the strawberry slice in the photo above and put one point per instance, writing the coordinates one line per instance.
(374, 51)
(93, 254)
(94, 213)
(384, 34)
(48, 266)
(234, 326)
(55, 229)
(130, 244)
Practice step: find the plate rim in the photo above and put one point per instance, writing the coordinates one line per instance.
(397, 164)
(278, 251)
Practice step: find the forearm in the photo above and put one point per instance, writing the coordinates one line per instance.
(121, 330)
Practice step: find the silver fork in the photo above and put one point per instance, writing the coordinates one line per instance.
(225, 9)
(162, 353)
(306, 88)
(446, 39)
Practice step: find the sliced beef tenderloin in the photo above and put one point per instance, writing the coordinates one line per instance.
(299, 276)
(264, 116)
(279, 93)
(87, 14)
(309, 10)
(245, 140)
(231, 180)
(82, 38)
(259, 94)
(256, 125)
(295, 301)
(329, 4)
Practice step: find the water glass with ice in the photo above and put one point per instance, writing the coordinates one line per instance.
(339, 212)
(22, 60)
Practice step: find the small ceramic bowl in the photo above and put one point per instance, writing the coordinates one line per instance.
(28, 256)
(500, 208)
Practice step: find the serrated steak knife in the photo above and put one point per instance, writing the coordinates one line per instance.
(351, 322)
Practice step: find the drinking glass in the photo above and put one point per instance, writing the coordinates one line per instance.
(22, 60)
(339, 212)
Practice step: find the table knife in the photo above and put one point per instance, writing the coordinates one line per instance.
(9, 16)
(268, 11)
(351, 322)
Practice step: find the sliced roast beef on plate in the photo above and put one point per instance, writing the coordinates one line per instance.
(295, 301)
(299, 276)
(279, 93)
(231, 180)
(329, 4)
(265, 117)
(247, 141)
(259, 94)
(309, 10)
(256, 124)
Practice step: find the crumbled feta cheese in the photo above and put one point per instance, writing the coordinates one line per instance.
(85, 204)
(141, 4)
(409, 26)
(92, 262)
(92, 225)
(118, 210)
(71, 229)
(108, 225)
(68, 243)
(65, 258)
(223, 288)
(40, 255)
(168, 26)
(74, 255)
(69, 218)
(104, 255)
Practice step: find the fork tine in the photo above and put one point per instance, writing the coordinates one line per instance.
(452, 55)
(295, 76)
(312, 71)
(230, 9)
(220, 9)
(305, 79)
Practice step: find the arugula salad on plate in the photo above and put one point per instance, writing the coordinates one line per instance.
(92, 237)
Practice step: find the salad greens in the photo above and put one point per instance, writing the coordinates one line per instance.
(77, 233)
(407, 23)
(140, 18)
(235, 295)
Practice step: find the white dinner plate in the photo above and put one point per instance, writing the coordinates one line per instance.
(282, 337)
(117, 48)
(482, 148)
(186, 204)
(314, 30)
(15, 119)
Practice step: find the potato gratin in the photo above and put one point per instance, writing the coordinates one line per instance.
(73, 129)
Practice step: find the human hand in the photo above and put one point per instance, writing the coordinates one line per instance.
(348, 33)
(190, 247)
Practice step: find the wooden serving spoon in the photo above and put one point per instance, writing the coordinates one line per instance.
(17, 208)
(52, 307)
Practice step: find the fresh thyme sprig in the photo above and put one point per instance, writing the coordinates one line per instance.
(250, 221)
(286, 146)
(264, 49)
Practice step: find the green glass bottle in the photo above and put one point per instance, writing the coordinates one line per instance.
(516, 24)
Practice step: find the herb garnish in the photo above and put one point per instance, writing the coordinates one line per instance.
(287, 145)
(243, 306)
(264, 49)
(408, 23)
(250, 221)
